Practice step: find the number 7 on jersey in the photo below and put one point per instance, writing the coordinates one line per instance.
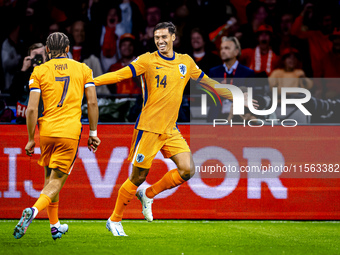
(66, 80)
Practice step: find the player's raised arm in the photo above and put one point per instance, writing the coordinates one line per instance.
(137, 67)
(114, 77)
(208, 83)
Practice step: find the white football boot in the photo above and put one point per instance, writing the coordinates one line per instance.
(116, 228)
(146, 204)
(58, 232)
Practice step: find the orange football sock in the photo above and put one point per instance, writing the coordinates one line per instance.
(125, 194)
(170, 180)
(52, 212)
(42, 202)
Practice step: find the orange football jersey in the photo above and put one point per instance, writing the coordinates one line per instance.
(61, 82)
(163, 81)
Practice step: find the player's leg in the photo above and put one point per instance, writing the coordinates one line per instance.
(175, 177)
(125, 194)
(57, 230)
(52, 208)
(144, 148)
(127, 191)
(63, 158)
(55, 176)
(49, 192)
(178, 150)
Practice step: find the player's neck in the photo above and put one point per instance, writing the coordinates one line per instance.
(168, 54)
(230, 62)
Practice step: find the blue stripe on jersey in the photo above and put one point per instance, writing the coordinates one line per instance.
(201, 76)
(34, 89)
(60, 57)
(139, 136)
(145, 92)
(137, 121)
(133, 70)
(166, 58)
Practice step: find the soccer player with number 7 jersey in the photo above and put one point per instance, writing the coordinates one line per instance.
(61, 83)
(164, 75)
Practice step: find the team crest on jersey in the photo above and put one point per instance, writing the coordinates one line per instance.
(136, 59)
(182, 69)
(140, 157)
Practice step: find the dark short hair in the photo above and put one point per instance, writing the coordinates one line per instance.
(34, 46)
(169, 25)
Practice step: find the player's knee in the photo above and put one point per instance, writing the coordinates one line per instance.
(138, 176)
(138, 180)
(186, 171)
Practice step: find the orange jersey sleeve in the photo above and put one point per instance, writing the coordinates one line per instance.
(198, 75)
(137, 67)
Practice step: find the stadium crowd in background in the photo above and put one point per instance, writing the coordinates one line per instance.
(97, 29)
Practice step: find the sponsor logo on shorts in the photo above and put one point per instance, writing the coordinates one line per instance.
(140, 157)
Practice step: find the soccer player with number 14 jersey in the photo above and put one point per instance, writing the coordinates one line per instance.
(164, 75)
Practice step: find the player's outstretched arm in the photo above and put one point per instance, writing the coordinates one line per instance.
(209, 84)
(113, 77)
(31, 120)
(92, 106)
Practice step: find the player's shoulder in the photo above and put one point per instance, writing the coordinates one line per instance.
(185, 58)
(181, 56)
(143, 57)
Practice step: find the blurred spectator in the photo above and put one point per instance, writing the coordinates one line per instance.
(319, 43)
(117, 22)
(200, 51)
(241, 6)
(262, 59)
(128, 86)
(81, 49)
(257, 14)
(10, 55)
(210, 14)
(284, 40)
(229, 29)
(230, 51)
(330, 68)
(181, 19)
(290, 75)
(19, 89)
(231, 72)
(153, 17)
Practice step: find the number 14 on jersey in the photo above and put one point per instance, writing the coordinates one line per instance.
(163, 81)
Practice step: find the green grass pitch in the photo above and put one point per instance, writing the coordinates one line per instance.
(180, 237)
